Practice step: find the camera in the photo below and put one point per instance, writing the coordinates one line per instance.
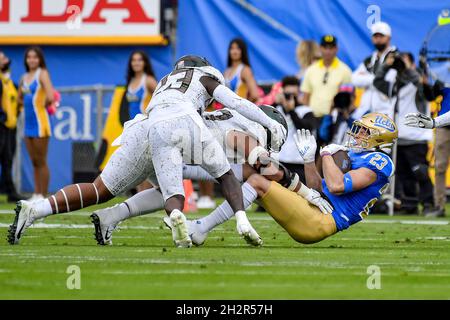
(398, 64)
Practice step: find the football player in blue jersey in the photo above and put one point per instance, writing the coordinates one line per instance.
(351, 194)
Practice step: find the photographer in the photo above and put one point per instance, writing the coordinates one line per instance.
(372, 100)
(297, 117)
(404, 89)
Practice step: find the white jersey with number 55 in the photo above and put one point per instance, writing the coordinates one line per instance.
(181, 90)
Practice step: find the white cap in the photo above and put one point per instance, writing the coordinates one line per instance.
(381, 27)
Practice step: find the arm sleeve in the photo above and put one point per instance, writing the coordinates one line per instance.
(246, 108)
(361, 77)
(442, 120)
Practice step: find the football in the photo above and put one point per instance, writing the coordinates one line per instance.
(342, 160)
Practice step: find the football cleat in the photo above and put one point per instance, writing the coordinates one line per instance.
(25, 216)
(246, 230)
(180, 234)
(103, 229)
(249, 234)
(197, 237)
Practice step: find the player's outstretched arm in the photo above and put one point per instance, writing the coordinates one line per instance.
(248, 109)
(420, 120)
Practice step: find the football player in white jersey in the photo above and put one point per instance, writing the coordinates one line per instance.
(154, 146)
(243, 140)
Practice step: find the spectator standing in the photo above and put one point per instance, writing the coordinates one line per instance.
(323, 78)
(238, 75)
(36, 93)
(8, 122)
(372, 100)
(412, 179)
(297, 117)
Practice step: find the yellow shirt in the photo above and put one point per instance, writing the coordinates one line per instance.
(9, 101)
(323, 83)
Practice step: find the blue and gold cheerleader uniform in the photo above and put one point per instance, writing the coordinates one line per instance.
(138, 98)
(236, 84)
(37, 122)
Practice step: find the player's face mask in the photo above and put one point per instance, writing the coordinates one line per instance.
(374, 131)
(357, 138)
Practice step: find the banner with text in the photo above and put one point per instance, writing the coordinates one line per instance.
(81, 22)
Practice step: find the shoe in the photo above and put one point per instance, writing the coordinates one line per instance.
(198, 238)
(206, 202)
(434, 212)
(246, 230)
(103, 228)
(25, 216)
(249, 234)
(180, 234)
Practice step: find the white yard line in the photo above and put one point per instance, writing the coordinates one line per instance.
(78, 226)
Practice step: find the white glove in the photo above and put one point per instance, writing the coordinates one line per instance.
(246, 230)
(314, 197)
(332, 149)
(419, 120)
(306, 145)
(278, 135)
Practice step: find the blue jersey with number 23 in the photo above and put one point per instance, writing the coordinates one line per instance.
(352, 207)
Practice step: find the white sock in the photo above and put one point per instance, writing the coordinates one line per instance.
(141, 203)
(121, 213)
(145, 202)
(43, 208)
(224, 212)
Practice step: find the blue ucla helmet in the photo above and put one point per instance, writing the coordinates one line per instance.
(374, 131)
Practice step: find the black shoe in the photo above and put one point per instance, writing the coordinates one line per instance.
(433, 212)
(14, 197)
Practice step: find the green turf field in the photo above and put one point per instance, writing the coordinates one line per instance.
(414, 261)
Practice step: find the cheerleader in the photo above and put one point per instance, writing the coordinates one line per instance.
(35, 95)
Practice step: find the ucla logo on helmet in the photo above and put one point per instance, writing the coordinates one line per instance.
(384, 123)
